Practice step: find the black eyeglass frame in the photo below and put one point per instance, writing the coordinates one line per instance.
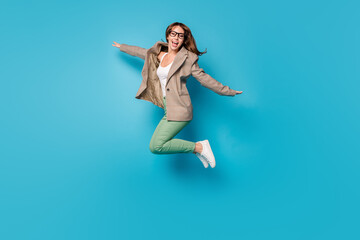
(176, 33)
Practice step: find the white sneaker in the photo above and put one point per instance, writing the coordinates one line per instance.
(207, 153)
(202, 159)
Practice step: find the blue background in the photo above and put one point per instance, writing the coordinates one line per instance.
(74, 141)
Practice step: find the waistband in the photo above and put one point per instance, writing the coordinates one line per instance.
(164, 101)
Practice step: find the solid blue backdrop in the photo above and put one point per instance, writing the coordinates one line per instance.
(74, 141)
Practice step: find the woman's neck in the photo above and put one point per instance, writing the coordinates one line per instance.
(172, 52)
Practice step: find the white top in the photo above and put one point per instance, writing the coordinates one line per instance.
(162, 73)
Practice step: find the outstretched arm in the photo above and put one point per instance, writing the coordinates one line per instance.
(132, 50)
(207, 81)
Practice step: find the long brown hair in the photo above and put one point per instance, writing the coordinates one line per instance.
(189, 41)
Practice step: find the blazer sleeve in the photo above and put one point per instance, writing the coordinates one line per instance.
(133, 50)
(207, 81)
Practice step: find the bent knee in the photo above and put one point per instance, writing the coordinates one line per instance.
(155, 148)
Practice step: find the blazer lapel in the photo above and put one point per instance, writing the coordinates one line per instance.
(178, 60)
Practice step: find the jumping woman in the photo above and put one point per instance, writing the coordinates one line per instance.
(167, 67)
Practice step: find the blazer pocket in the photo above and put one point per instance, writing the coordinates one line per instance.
(183, 93)
(185, 99)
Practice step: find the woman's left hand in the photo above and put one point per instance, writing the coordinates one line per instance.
(238, 92)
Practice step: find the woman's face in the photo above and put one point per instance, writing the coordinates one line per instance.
(175, 42)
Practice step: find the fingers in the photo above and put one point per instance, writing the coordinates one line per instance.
(116, 44)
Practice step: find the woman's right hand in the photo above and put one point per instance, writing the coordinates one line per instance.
(116, 45)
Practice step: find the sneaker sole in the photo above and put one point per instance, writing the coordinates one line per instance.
(212, 164)
(203, 160)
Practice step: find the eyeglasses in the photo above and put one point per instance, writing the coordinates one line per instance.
(173, 34)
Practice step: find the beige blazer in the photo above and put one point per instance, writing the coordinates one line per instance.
(178, 102)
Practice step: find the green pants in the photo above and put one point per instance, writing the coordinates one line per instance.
(162, 141)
